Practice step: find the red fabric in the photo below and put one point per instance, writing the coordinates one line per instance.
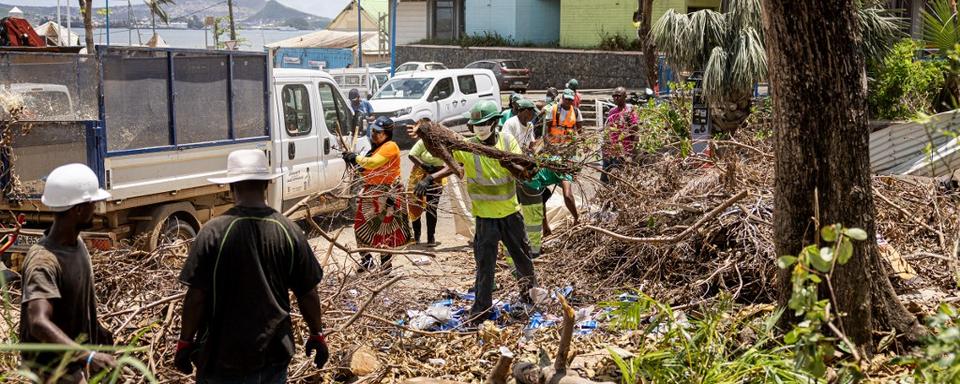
(19, 33)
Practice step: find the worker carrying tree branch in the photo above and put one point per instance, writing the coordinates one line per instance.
(491, 185)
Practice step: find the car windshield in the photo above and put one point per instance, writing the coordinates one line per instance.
(381, 78)
(432, 67)
(44, 104)
(511, 64)
(413, 88)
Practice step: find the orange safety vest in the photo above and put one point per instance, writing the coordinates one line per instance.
(562, 132)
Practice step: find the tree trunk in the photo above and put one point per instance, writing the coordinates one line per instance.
(86, 8)
(649, 50)
(822, 141)
(730, 114)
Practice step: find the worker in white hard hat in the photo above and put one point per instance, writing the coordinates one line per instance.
(58, 304)
(236, 325)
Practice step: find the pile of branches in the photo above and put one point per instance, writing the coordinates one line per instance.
(685, 229)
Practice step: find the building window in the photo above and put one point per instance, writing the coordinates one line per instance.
(446, 19)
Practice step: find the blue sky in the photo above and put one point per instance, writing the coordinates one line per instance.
(328, 8)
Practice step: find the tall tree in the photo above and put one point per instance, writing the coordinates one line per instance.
(729, 48)
(86, 8)
(645, 17)
(818, 82)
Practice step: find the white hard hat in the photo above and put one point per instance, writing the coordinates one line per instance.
(246, 164)
(71, 184)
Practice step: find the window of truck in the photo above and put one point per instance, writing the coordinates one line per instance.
(445, 85)
(296, 109)
(336, 113)
(468, 85)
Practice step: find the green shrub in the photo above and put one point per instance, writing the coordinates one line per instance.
(904, 86)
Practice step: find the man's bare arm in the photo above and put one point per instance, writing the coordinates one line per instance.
(312, 310)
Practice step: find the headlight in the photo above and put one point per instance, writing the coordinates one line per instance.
(404, 111)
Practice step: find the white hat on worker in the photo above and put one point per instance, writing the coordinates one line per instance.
(246, 164)
(71, 184)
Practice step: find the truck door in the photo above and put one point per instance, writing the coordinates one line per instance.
(300, 155)
(336, 114)
(445, 99)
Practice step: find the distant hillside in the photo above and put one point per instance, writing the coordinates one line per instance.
(275, 14)
(139, 13)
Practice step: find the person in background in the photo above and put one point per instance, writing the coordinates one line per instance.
(621, 134)
(236, 325)
(530, 199)
(362, 111)
(574, 85)
(425, 164)
(58, 303)
(511, 109)
(492, 188)
(563, 124)
(520, 126)
(548, 103)
(381, 220)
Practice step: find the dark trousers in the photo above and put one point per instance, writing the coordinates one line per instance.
(268, 375)
(430, 211)
(609, 165)
(490, 232)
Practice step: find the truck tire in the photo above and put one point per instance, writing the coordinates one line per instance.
(176, 235)
(172, 223)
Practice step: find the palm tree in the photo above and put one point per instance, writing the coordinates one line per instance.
(157, 11)
(86, 8)
(941, 30)
(729, 48)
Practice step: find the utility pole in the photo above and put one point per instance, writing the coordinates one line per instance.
(393, 37)
(359, 38)
(108, 21)
(233, 28)
(60, 26)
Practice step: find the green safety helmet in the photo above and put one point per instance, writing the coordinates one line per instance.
(573, 84)
(482, 112)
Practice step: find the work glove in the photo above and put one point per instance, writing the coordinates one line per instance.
(319, 344)
(423, 186)
(349, 157)
(183, 359)
(429, 169)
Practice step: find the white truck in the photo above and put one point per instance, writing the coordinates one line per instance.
(155, 124)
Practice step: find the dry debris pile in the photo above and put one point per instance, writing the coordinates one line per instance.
(685, 229)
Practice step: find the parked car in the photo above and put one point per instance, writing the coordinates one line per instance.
(443, 96)
(511, 74)
(419, 66)
(366, 80)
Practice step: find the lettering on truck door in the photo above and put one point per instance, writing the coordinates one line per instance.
(336, 114)
(300, 156)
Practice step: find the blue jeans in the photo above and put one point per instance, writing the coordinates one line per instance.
(268, 375)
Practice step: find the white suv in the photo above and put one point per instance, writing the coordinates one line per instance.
(442, 96)
(419, 66)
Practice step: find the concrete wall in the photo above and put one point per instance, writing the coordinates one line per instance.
(538, 21)
(581, 22)
(551, 67)
(411, 22)
(491, 16)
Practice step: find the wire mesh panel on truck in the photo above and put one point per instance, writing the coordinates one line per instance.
(57, 98)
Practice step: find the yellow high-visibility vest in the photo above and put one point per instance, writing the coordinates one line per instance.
(492, 189)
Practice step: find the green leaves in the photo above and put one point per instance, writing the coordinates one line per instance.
(855, 233)
(785, 262)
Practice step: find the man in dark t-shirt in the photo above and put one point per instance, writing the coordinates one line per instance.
(236, 314)
(58, 304)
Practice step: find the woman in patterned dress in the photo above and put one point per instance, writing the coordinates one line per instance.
(381, 220)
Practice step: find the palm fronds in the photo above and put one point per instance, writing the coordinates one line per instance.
(156, 9)
(880, 31)
(941, 28)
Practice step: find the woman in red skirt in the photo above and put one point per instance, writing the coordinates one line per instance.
(381, 220)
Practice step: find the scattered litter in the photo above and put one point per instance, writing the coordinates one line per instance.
(437, 362)
(421, 260)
